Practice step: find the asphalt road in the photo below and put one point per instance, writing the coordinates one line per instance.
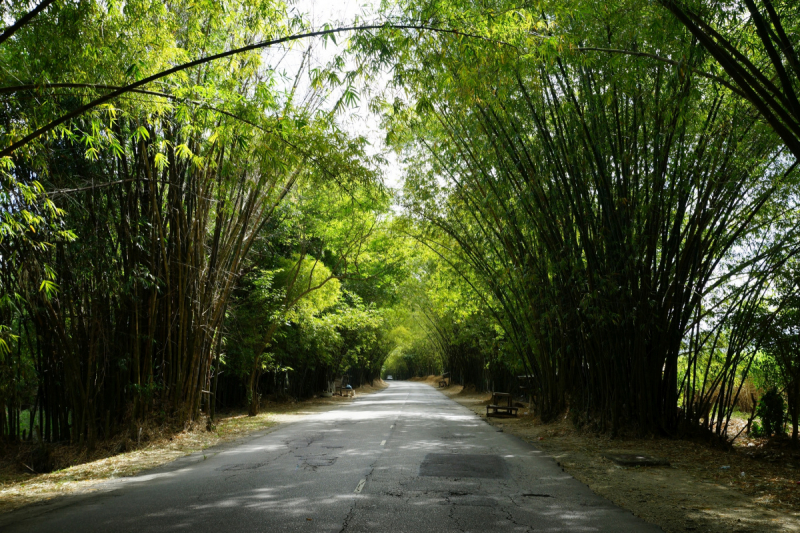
(407, 459)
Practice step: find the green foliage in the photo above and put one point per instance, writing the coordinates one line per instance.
(765, 372)
(444, 325)
(134, 229)
(779, 326)
(585, 191)
(572, 183)
(308, 287)
(771, 410)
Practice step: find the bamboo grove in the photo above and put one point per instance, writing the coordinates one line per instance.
(150, 223)
(602, 200)
(599, 204)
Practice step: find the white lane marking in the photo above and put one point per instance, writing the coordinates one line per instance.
(360, 486)
(383, 443)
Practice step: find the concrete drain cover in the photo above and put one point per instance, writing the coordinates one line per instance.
(463, 465)
(240, 466)
(635, 459)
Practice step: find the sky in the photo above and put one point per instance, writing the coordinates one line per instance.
(359, 120)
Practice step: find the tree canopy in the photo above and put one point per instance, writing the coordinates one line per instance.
(598, 203)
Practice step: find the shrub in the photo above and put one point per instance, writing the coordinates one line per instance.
(771, 410)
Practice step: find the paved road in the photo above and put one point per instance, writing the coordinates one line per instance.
(407, 459)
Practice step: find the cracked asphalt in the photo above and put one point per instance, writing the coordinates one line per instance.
(407, 459)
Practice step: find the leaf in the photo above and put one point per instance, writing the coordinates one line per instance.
(50, 288)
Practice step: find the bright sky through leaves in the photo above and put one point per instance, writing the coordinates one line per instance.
(358, 120)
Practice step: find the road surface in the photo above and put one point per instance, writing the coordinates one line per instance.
(406, 459)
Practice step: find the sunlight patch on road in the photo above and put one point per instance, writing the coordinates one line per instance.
(360, 486)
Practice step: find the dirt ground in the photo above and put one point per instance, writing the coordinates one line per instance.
(753, 488)
(77, 471)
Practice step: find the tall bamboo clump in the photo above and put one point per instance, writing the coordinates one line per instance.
(595, 201)
(142, 293)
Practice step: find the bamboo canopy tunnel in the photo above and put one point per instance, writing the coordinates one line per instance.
(598, 199)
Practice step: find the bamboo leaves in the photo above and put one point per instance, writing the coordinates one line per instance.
(594, 201)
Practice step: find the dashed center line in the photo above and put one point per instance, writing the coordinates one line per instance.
(360, 486)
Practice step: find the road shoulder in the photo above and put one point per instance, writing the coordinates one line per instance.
(162, 452)
(694, 493)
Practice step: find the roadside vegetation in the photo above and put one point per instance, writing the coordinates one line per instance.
(598, 210)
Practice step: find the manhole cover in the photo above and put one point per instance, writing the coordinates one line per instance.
(463, 465)
(240, 466)
(635, 459)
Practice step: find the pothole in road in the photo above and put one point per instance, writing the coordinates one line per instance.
(463, 465)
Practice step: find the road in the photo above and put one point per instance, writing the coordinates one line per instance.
(407, 459)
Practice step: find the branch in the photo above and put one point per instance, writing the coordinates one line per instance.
(11, 30)
(30, 87)
(672, 62)
(11, 89)
(203, 60)
(760, 91)
(91, 187)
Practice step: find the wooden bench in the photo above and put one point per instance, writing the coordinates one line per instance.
(443, 381)
(340, 386)
(502, 403)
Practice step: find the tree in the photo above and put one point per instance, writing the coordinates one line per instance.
(782, 344)
(166, 199)
(593, 198)
(756, 43)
